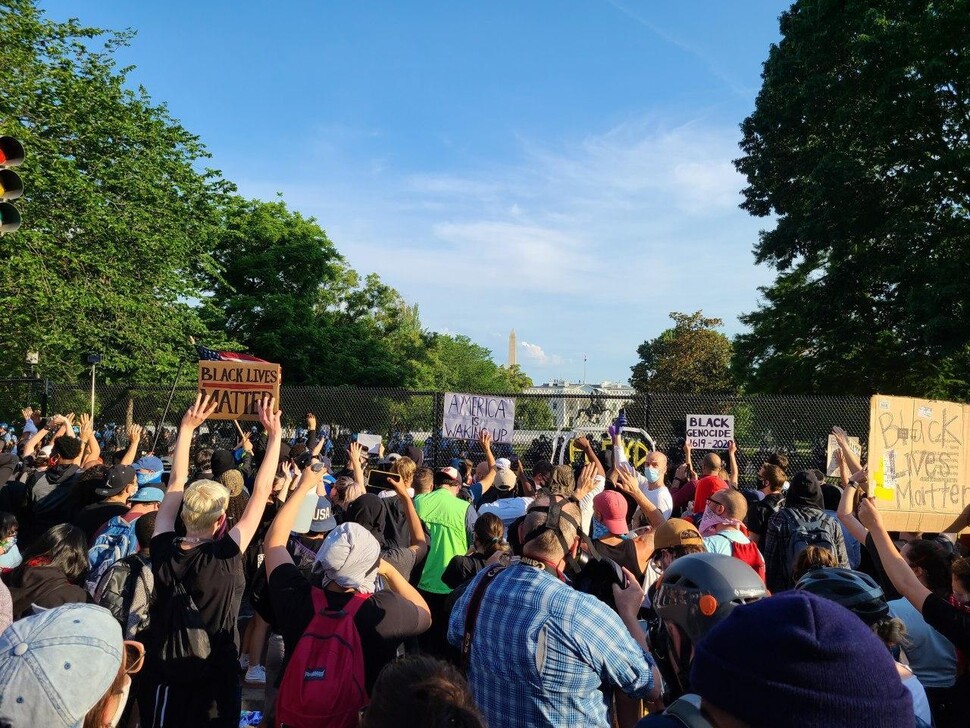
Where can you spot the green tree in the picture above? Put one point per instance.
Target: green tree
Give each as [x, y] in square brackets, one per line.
[859, 147]
[116, 213]
[692, 357]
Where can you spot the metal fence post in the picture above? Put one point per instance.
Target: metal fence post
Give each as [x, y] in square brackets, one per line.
[436, 440]
[43, 397]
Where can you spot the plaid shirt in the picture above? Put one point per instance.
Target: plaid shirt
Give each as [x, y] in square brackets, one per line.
[541, 650]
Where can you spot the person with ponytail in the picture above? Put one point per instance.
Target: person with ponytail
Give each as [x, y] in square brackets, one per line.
[489, 532]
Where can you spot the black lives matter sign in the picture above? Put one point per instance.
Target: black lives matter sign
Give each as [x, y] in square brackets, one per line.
[239, 387]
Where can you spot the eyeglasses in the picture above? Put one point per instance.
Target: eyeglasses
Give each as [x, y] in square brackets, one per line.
[716, 506]
[134, 656]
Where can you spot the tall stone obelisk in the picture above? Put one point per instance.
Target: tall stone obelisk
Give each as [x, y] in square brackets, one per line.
[512, 348]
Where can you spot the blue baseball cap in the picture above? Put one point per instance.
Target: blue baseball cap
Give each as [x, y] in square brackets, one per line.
[148, 494]
[56, 665]
[149, 462]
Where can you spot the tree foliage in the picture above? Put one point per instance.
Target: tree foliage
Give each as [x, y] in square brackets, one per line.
[115, 214]
[692, 357]
[859, 146]
[129, 247]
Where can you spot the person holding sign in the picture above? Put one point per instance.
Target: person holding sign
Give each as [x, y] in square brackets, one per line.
[950, 620]
[201, 572]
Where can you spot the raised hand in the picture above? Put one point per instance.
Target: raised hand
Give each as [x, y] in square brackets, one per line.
[271, 421]
[357, 452]
[135, 432]
[732, 447]
[869, 514]
[199, 411]
[311, 422]
[27, 412]
[485, 438]
[587, 480]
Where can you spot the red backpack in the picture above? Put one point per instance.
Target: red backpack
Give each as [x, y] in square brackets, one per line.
[749, 554]
[323, 685]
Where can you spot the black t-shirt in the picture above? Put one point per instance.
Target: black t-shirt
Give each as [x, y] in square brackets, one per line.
[382, 622]
[462, 568]
[951, 622]
[761, 512]
[401, 558]
[91, 518]
[212, 573]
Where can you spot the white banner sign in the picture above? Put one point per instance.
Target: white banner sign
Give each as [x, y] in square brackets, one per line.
[710, 432]
[832, 464]
[466, 415]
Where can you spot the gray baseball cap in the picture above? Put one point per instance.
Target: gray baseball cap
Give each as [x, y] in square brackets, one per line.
[54, 666]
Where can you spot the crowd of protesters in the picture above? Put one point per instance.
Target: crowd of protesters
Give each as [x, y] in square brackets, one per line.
[385, 593]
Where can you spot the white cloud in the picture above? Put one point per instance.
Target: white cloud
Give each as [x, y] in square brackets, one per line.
[536, 354]
[584, 244]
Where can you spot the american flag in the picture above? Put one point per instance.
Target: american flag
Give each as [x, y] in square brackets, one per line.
[207, 354]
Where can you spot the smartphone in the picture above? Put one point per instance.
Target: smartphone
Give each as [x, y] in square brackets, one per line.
[379, 479]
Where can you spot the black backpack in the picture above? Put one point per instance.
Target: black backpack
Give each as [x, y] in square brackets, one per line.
[804, 532]
[183, 641]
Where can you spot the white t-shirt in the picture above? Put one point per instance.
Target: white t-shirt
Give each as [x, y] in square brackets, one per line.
[586, 504]
[508, 509]
[660, 497]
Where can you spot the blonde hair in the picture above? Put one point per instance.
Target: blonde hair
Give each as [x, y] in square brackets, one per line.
[405, 467]
[345, 491]
[204, 502]
[891, 631]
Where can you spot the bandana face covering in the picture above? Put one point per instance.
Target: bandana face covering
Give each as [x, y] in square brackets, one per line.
[710, 522]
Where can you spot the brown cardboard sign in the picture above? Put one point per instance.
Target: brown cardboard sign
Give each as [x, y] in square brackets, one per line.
[239, 387]
[919, 462]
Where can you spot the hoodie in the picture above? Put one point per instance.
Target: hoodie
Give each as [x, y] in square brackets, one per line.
[45, 586]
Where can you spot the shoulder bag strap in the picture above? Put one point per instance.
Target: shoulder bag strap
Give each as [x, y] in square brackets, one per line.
[471, 615]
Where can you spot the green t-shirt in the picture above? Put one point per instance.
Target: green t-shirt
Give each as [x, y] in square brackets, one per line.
[444, 515]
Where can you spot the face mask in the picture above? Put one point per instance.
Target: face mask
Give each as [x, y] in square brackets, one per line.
[599, 530]
[7, 544]
[153, 477]
[653, 474]
[711, 521]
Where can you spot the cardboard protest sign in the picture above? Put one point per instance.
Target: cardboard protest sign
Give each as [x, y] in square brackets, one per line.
[831, 464]
[238, 387]
[371, 443]
[919, 462]
[710, 432]
[466, 415]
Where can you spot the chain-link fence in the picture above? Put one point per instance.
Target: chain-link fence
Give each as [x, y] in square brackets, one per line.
[545, 424]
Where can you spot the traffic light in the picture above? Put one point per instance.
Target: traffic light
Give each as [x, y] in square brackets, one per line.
[11, 186]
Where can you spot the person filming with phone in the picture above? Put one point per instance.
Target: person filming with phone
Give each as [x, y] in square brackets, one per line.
[533, 646]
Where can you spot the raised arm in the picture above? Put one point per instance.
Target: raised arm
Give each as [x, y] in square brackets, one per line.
[134, 437]
[88, 438]
[893, 563]
[356, 453]
[244, 530]
[38, 436]
[842, 439]
[583, 444]
[844, 512]
[732, 464]
[193, 417]
[628, 483]
[274, 544]
[312, 438]
[419, 542]
[485, 439]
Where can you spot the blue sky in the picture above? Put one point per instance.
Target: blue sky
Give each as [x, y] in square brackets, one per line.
[558, 167]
